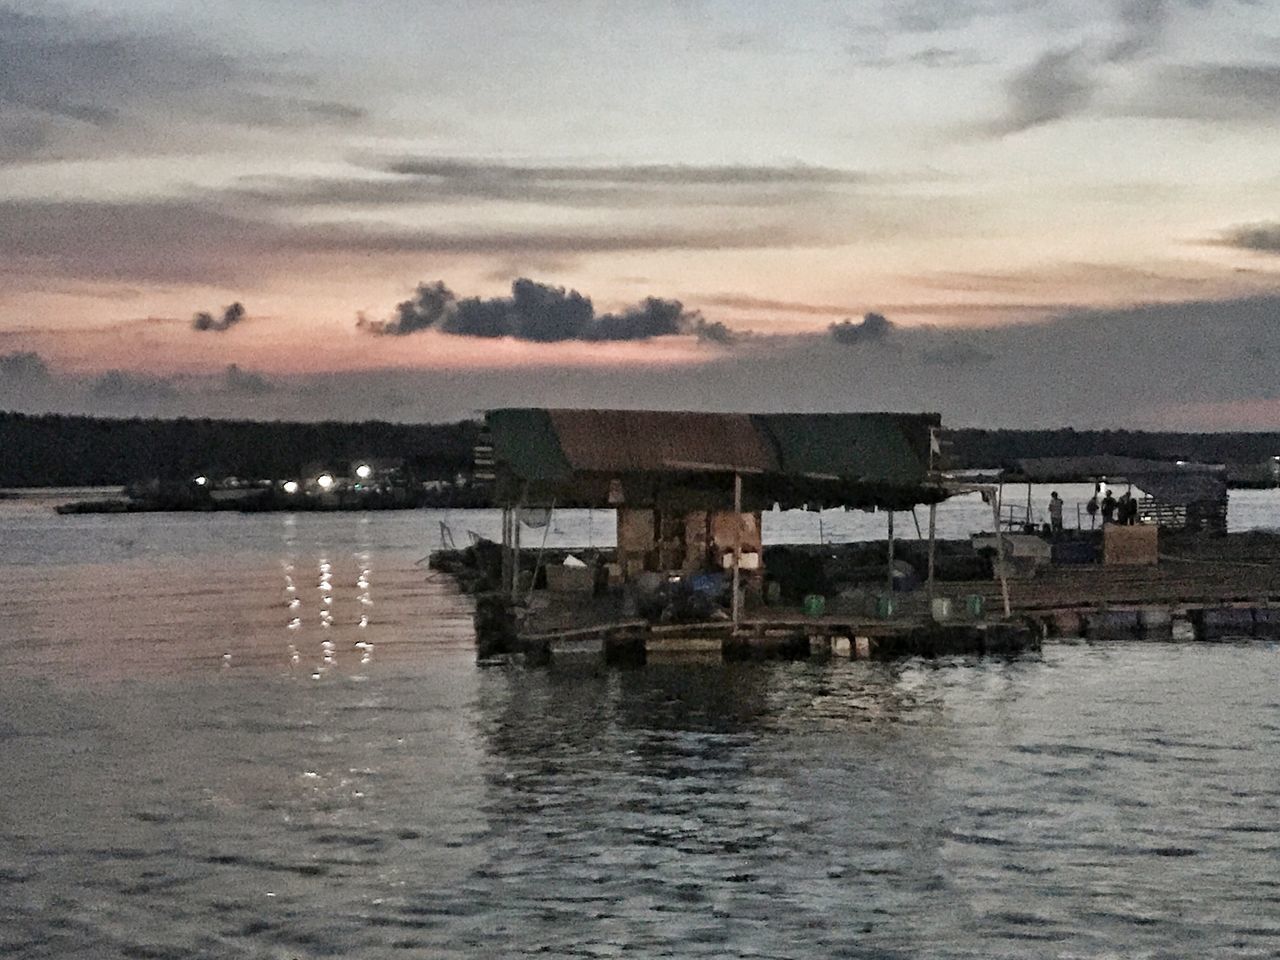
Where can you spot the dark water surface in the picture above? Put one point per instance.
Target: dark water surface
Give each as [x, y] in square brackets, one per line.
[192, 764]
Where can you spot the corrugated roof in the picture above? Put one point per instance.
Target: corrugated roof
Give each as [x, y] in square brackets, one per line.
[878, 448]
[882, 450]
[649, 441]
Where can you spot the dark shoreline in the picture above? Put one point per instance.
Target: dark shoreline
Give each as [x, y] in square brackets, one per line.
[272, 502]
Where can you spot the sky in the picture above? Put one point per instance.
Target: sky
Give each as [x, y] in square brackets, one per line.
[1013, 213]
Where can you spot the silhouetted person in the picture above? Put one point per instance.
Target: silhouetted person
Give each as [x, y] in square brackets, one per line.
[1129, 511]
[1108, 508]
[1091, 508]
[1055, 512]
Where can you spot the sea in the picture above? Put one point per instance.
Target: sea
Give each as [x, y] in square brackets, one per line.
[267, 736]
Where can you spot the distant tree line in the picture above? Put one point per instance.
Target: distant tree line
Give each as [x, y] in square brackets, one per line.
[56, 451]
[999, 448]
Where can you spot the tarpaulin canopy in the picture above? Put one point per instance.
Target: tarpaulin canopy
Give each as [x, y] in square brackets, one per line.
[588, 456]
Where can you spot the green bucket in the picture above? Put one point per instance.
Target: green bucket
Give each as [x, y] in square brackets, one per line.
[815, 605]
[886, 606]
[974, 604]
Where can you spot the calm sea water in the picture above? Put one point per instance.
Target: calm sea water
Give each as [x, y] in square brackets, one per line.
[266, 736]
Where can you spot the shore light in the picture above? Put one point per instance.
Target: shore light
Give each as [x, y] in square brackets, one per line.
[201, 481]
[325, 481]
[291, 486]
[364, 471]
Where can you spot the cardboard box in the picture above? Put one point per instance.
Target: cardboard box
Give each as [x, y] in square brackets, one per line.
[1138, 545]
[562, 579]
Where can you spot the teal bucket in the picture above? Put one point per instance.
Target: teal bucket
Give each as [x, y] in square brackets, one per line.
[886, 606]
[815, 605]
[974, 604]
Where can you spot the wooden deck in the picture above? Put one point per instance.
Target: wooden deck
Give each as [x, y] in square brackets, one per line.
[1204, 589]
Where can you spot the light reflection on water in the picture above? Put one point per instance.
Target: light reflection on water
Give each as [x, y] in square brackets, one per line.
[368, 791]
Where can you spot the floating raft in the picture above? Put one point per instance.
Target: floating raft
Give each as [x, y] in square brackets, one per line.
[637, 641]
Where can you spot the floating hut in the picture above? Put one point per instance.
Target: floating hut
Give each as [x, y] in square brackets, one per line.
[1178, 494]
[688, 490]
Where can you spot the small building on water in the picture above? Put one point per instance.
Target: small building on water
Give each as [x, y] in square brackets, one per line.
[1175, 494]
[689, 488]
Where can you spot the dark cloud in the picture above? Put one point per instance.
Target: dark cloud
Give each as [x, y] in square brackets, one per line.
[713, 331]
[419, 180]
[1059, 84]
[873, 328]
[660, 174]
[1213, 92]
[537, 312]
[651, 318]
[541, 242]
[246, 382]
[1142, 27]
[207, 323]
[946, 57]
[23, 368]
[1063, 83]
[427, 308]
[1260, 237]
[70, 85]
[165, 241]
[200, 241]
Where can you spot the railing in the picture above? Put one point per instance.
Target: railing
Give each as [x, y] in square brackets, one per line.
[1209, 515]
[1014, 516]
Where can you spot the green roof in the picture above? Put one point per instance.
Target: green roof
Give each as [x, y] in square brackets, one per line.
[852, 458]
[873, 448]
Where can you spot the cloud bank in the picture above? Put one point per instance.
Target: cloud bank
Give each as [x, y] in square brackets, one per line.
[540, 313]
[79, 86]
[1188, 365]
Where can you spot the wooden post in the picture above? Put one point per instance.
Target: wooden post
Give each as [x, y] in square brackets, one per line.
[1000, 506]
[515, 554]
[890, 552]
[737, 547]
[1004, 580]
[504, 580]
[933, 522]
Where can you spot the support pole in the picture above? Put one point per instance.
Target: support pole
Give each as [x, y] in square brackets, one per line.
[933, 523]
[890, 572]
[542, 549]
[515, 554]
[737, 548]
[504, 580]
[1004, 580]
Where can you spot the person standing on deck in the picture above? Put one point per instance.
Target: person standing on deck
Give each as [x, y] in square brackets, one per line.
[1055, 512]
[1091, 508]
[1130, 517]
[1108, 508]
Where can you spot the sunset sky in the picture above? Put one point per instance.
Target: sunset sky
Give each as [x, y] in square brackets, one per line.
[1065, 213]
